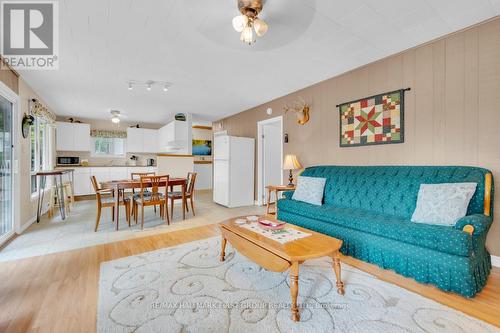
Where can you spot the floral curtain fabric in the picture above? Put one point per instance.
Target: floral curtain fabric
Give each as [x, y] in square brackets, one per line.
[40, 111]
[108, 134]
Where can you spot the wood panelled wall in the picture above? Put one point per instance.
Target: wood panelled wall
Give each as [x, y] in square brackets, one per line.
[452, 113]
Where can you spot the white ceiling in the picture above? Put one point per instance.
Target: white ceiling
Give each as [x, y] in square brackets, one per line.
[191, 43]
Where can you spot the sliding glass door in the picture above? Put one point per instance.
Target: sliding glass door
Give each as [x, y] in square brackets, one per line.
[6, 181]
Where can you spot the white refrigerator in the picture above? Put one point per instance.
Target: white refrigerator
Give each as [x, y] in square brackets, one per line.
[233, 161]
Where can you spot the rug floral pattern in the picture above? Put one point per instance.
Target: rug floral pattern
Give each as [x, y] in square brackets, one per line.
[187, 289]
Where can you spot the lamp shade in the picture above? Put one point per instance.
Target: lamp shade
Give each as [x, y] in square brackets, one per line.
[291, 163]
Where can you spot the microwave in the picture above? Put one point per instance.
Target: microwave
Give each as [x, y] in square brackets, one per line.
[68, 160]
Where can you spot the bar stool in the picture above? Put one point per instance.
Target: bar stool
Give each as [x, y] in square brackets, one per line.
[53, 202]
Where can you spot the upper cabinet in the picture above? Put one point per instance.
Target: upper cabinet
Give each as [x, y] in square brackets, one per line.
[72, 137]
[142, 140]
[150, 137]
[175, 138]
[135, 139]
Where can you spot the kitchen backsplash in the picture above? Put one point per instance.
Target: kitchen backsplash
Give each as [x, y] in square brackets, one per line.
[105, 161]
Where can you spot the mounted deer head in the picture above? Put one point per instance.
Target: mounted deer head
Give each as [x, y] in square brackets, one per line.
[301, 110]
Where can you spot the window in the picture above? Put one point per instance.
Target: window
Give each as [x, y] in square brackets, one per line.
[108, 146]
[39, 151]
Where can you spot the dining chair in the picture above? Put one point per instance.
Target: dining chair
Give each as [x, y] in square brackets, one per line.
[176, 195]
[138, 175]
[108, 201]
[154, 198]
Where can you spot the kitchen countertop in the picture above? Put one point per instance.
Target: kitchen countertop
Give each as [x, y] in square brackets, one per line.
[106, 166]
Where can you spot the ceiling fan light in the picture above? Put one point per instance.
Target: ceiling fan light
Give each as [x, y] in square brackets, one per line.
[130, 86]
[240, 22]
[260, 27]
[247, 36]
[115, 119]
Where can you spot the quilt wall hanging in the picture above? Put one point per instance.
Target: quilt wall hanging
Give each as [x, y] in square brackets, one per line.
[373, 120]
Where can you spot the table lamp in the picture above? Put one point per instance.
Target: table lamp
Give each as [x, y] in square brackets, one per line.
[291, 163]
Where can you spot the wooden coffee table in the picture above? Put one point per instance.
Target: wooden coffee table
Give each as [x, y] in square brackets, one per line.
[278, 257]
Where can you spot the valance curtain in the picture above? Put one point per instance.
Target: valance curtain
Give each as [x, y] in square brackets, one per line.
[108, 134]
[40, 111]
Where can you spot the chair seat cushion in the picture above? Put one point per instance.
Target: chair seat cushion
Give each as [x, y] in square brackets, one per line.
[148, 198]
[175, 194]
[441, 238]
[145, 193]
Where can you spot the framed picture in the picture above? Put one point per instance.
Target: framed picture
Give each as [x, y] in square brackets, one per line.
[373, 120]
[202, 147]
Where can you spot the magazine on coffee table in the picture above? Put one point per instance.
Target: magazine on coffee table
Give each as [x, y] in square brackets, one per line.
[282, 236]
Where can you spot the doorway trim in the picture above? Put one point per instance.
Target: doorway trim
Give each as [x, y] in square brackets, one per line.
[260, 154]
[12, 97]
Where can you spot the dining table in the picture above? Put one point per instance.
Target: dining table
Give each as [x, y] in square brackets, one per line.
[119, 187]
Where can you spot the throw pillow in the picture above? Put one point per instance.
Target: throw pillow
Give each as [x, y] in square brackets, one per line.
[310, 190]
[443, 204]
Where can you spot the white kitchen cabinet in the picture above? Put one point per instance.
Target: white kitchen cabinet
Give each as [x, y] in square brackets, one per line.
[150, 140]
[118, 173]
[142, 140]
[72, 137]
[135, 140]
[203, 176]
[82, 137]
[64, 136]
[175, 137]
[101, 174]
[82, 183]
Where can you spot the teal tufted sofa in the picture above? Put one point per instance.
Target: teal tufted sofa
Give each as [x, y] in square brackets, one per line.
[370, 207]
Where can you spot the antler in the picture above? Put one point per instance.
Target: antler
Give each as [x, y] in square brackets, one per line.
[286, 108]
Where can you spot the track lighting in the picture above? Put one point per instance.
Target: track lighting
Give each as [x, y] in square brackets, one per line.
[149, 84]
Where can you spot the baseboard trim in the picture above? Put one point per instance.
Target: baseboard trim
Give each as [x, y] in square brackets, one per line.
[495, 261]
[32, 220]
[26, 225]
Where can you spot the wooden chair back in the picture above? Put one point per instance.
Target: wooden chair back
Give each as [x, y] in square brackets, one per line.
[153, 182]
[138, 175]
[191, 178]
[95, 185]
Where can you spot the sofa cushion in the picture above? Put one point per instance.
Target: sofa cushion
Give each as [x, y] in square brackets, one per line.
[440, 238]
[443, 204]
[310, 190]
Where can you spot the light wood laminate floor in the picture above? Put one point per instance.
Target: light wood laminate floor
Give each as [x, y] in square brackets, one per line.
[58, 292]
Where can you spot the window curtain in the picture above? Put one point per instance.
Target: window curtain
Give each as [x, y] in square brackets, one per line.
[108, 134]
[41, 112]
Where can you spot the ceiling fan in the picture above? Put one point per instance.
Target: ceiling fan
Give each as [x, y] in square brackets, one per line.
[117, 116]
[248, 21]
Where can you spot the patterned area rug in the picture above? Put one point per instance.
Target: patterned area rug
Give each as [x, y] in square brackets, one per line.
[187, 289]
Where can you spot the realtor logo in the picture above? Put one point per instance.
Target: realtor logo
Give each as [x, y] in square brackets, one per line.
[30, 34]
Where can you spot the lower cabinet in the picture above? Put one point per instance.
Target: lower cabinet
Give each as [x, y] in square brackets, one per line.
[83, 185]
[203, 176]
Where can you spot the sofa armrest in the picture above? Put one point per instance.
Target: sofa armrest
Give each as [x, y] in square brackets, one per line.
[480, 223]
[288, 194]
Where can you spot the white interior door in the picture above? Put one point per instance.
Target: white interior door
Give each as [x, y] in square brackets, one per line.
[271, 156]
[6, 176]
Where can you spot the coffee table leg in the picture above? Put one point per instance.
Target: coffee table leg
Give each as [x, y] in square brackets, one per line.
[336, 268]
[223, 249]
[294, 290]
